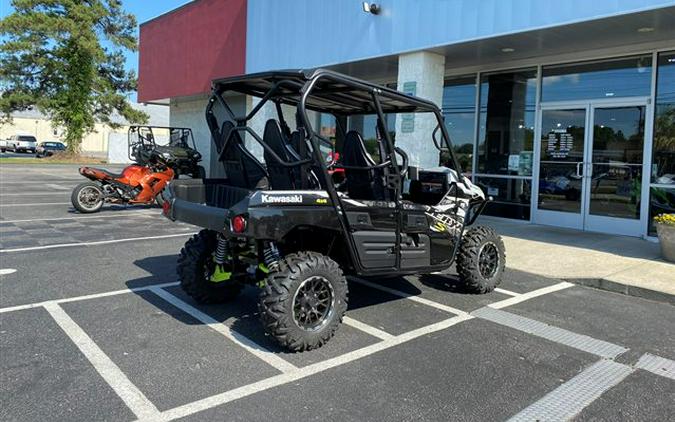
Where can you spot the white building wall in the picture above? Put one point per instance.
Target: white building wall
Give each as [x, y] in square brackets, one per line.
[191, 113]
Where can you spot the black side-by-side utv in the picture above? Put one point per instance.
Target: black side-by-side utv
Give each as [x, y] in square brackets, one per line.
[299, 220]
[179, 145]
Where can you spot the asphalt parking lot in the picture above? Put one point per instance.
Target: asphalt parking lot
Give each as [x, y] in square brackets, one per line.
[93, 327]
[10, 154]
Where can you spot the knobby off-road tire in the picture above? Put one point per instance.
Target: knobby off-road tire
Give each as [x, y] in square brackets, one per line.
[481, 259]
[194, 267]
[87, 197]
[289, 290]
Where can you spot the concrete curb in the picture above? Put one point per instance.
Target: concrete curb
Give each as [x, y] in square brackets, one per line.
[626, 289]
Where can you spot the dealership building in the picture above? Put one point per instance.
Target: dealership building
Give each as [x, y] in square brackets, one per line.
[563, 111]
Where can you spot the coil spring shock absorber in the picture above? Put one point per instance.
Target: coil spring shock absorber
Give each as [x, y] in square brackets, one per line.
[221, 250]
[271, 256]
[220, 273]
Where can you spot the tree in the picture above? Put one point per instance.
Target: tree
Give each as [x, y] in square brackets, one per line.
[66, 57]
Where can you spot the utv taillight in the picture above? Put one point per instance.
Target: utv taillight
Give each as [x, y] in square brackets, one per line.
[238, 224]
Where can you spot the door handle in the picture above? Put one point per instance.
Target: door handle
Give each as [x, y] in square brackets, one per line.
[579, 169]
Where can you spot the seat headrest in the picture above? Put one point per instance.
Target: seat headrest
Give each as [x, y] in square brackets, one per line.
[354, 151]
[274, 139]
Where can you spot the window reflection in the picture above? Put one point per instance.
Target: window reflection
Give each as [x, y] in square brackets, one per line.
[506, 131]
[511, 197]
[616, 178]
[663, 158]
[624, 77]
[459, 111]
[662, 201]
[562, 151]
[366, 126]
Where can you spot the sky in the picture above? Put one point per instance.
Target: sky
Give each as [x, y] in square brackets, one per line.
[143, 10]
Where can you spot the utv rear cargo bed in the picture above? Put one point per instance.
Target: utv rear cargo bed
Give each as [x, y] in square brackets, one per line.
[203, 202]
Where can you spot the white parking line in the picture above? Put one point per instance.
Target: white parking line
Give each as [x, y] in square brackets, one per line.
[5, 271]
[572, 397]
[57, 187]
[657, 365]
[37, 182]
[35, 204]
[529, 295]
[98, 242]
[109, 371]
[368, 329]
[33, 193]
[417, 299]
[239, 339]
[275, 381]
[85, 297]
[507, 292]
[127, 213]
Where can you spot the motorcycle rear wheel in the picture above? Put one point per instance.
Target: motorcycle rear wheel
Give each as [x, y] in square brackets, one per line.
[87, 197]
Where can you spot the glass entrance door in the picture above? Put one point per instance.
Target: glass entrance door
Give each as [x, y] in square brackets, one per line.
[562, 144]
[614, 171]
[590, 166]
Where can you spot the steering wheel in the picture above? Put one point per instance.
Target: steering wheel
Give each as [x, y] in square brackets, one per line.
[404, 165]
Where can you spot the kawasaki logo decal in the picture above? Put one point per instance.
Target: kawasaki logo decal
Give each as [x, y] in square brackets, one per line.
[281, 199]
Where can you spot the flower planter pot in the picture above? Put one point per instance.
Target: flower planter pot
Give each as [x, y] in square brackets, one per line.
[666, 233]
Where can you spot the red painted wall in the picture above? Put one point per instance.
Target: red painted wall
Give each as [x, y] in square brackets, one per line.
[182, 51]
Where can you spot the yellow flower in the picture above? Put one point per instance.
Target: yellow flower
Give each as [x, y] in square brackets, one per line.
[667, 219]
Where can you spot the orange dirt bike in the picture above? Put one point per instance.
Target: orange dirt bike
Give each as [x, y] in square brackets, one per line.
[136, 184]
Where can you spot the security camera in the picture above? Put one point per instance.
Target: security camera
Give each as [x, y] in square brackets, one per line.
[371, 8]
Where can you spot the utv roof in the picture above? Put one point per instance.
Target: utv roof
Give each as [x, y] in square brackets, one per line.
[331, 92]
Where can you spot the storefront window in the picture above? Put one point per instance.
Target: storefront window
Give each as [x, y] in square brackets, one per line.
[366, 126]
[459, 111]
[327, 126]
[662, 201]
[510, 197]
[662, 196]
[506, 126]
[624, 77]
[663, 157]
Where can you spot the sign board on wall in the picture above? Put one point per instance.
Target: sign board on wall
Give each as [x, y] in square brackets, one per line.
[408, 119]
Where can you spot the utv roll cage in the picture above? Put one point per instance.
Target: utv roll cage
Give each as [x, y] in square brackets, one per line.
[143, 138]
[322, 91]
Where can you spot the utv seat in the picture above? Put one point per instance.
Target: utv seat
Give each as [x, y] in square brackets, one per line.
[280, 177]
[241, 168]
[361, 183]
[306, 172]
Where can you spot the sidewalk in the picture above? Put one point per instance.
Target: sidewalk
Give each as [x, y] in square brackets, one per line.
[618, 263]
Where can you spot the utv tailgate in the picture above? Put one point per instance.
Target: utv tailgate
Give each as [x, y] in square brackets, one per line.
[204, 203]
